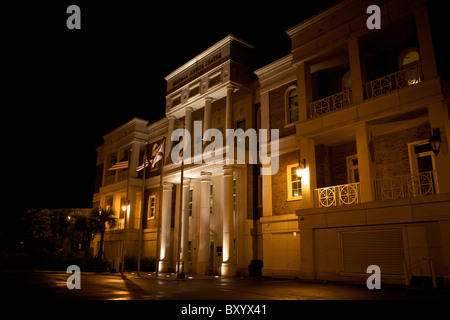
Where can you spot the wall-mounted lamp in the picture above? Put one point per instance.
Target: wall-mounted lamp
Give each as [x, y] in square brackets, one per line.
[300, 168]
[435, 140]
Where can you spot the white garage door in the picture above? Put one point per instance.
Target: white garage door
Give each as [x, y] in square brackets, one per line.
[383, 248]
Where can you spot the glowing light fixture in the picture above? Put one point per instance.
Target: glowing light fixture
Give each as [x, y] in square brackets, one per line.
[300, 168]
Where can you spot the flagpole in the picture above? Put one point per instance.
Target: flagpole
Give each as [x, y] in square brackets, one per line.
[158, 239]
[141, 224]
[126, 216]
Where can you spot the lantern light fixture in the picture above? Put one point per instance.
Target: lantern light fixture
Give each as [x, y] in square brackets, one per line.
[300, 168]
[435, 140]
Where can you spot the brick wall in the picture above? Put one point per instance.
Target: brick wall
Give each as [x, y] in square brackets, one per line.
[331, 164]
[277, 110]
[280, 205]
[391, 150]
[152, 223]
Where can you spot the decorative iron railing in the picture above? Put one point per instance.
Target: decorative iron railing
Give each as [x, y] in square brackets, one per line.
[406, 77]
[406, 186]
[338, 195]
[335, 102]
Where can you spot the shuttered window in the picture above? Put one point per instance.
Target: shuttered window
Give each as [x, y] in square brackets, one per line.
[383, 248]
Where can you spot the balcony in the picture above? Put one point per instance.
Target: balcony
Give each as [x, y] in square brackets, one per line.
[395, 81]
[406, 186]
[335, 102]
[338, 195]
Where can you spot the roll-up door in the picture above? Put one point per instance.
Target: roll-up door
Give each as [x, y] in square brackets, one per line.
[383, 248]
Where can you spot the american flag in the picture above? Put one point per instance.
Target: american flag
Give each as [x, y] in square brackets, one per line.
[122, 164]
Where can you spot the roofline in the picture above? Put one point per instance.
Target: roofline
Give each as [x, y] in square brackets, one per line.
[126, 124]
[317, 17]
[205, 53]
[286, 60]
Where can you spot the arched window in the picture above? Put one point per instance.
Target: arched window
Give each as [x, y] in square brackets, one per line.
[291, 105]
[346, 81]
[408, 58]
[409, 63]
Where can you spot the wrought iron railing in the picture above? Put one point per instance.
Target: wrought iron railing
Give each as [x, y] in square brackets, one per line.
[335, 102]
[338, 195]
[406, 186]
[406, 77]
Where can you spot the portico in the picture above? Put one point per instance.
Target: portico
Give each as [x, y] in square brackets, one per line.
[213, 88]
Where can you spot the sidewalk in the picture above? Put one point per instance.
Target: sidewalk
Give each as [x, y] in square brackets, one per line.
[165, 276]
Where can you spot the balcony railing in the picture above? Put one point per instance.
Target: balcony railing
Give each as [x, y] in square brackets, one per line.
[338, 195]
[335, 102]
[406, 77]
[406, 186]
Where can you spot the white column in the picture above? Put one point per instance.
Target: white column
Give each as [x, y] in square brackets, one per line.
[304, 90]
[170, 129]
[134, 161]
[427, 56]
[355, 71]
[203, 245]
[229, 123]
[365, 162]
[229, 112]
[207, 115]
[165, 227]
[185, 226]
[309, 183]
[228, 262]
[188, 127]
[266, 179]
[439, 118]
[188, 119]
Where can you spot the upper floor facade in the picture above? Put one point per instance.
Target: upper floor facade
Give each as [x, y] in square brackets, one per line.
[343, 93]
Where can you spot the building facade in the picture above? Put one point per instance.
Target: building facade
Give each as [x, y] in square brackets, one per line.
[357, 182]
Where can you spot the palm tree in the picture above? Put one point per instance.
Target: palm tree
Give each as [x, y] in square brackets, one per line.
[99, 218]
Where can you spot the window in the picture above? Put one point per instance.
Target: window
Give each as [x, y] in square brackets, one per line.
[352, 169]
[123, 205]
[408, 58]
[421, 157]
[346, 81]
[211, 200]
[241, 124]
[151, 207]
[291, 105]
[422, 162]
[260, 184]
[294, 183]
[409, 62]
[191, 191]
[215, 79]
[194, 90]
[234, 195]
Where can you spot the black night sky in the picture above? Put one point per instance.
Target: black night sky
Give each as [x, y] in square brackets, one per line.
[67, 88]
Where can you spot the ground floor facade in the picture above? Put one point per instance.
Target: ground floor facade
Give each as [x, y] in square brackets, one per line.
[406, 238]
[218, 233]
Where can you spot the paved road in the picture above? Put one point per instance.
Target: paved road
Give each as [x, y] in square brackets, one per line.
[38, 291]
[44, 285]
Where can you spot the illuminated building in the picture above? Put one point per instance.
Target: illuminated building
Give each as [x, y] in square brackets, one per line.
[359, 106]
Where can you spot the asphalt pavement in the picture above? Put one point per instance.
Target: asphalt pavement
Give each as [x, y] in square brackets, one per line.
[195, 293]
